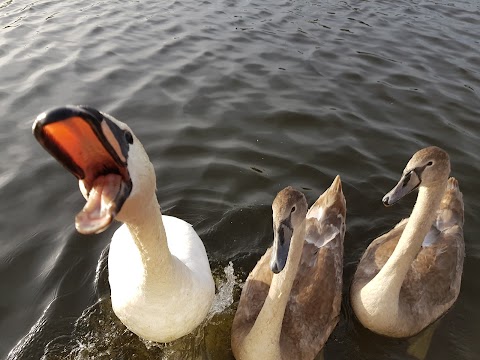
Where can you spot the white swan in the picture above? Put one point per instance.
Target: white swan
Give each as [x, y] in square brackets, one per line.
[408, 277]
[290, 314]
[160, 278]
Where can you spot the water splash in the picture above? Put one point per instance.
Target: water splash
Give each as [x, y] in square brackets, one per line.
[224, 297]
[193, 345]
[99, 335]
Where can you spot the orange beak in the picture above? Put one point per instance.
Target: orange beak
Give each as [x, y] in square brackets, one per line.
[93, 148]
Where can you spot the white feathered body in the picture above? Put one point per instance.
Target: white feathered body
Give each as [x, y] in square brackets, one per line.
[161, 307]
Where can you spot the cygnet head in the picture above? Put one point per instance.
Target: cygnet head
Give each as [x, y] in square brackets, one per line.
[289, 211]
[428, 167]
[114, 172]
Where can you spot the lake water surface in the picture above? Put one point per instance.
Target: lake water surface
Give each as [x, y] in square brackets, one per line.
[233, 100]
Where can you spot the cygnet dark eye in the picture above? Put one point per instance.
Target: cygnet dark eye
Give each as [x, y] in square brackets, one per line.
[129, 137]
[293, 209]
[430, 163]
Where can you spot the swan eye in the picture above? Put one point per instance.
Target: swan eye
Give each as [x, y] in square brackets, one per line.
[293, 209]
[430, 163]
[129, 137]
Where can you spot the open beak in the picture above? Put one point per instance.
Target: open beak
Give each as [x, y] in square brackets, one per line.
[94, 149]
[408, 182]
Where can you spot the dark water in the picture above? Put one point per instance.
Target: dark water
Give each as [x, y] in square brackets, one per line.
[233, 100]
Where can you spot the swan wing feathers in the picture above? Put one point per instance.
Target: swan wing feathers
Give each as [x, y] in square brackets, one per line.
[451, 212]
[326, 217]
[314, 306]
[450, 216]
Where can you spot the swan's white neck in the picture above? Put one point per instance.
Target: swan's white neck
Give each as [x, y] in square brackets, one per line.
[148, 233]
[263, 340]
[161, 288]
[380, 297]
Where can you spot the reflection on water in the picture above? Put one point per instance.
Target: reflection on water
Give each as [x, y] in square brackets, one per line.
[233, 100]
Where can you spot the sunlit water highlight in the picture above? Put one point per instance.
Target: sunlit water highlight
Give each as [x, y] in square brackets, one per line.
[233, 100]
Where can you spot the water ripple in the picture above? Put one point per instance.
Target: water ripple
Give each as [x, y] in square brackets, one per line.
[233, 101]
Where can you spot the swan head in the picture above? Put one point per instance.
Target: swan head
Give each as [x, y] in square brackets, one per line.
[114, 173]
[428, 167]
[289, 211]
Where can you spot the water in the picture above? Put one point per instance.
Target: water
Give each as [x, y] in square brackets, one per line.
[233, 100]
